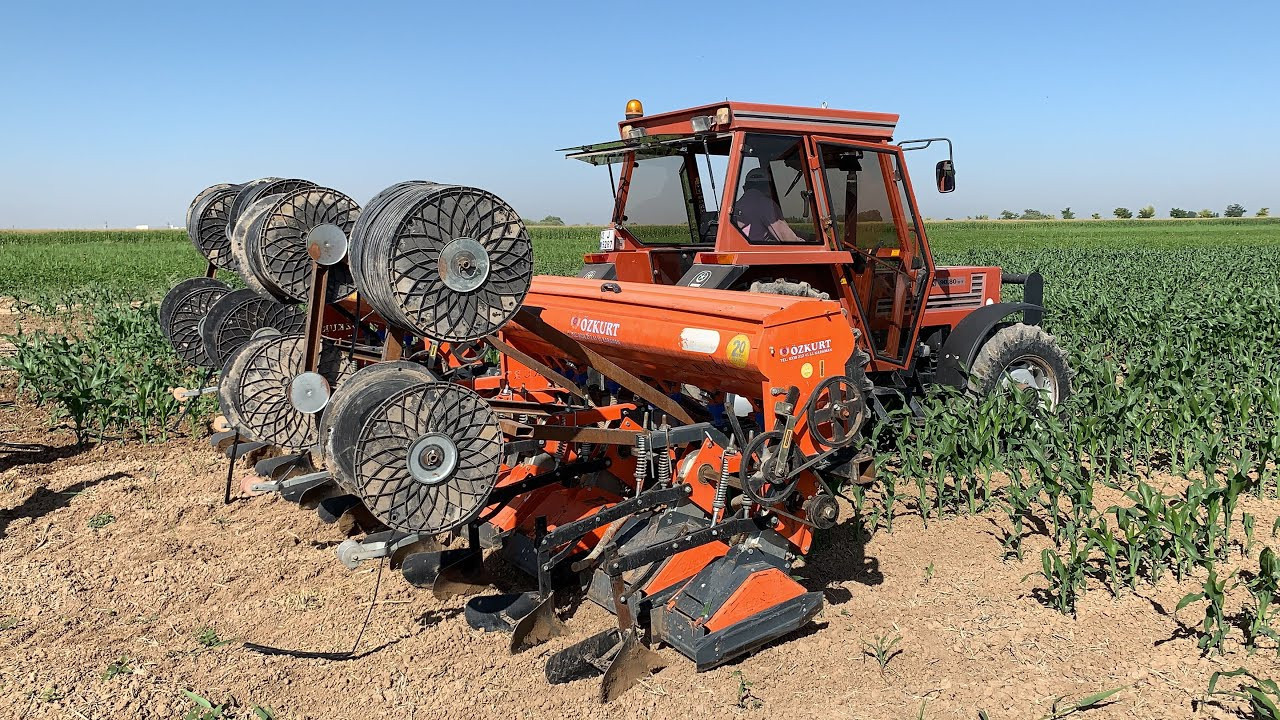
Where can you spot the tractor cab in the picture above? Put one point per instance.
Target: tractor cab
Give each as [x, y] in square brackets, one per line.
[770, 198]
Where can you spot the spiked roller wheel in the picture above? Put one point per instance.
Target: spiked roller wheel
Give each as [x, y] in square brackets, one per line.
[274, 234]
[183, 310]
[265, 394]
[239, 315]
[351, 406]
[451, 263]
[428, 457]
[207, 219]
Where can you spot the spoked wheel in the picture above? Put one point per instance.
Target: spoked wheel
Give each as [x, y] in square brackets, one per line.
[235, 318]
[351, 406]
[763, 475]
[277, 235]
[268, 397]
[207, 219]
[1023, 357]
[182, 312]
[428, 457]
[254, 189]
[836, 412]
[452, 263]
[229, 382]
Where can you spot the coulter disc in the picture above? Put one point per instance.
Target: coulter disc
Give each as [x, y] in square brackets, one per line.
[352, 404]
[234, 319]
[207, 219]
[182, 312]
[262, 393]
[427, 458]
[449, 262]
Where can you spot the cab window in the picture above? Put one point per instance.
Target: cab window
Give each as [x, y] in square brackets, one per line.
[773, 203]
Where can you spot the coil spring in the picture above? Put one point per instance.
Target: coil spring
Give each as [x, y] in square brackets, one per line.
[664, 467]
[562, 451]
[722, 488]
[642, 460]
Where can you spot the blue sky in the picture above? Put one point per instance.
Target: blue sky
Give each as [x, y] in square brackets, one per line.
[120, 113]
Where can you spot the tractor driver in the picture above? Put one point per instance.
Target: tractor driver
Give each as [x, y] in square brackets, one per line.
[758, 216]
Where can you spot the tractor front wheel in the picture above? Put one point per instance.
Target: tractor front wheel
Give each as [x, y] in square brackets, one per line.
[1026, 357]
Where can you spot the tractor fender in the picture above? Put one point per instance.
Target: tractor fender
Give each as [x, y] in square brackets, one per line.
[961, 346]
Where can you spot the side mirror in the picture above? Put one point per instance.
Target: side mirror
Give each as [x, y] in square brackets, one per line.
[946, 176]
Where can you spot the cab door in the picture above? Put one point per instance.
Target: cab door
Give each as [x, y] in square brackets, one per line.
[868, 213]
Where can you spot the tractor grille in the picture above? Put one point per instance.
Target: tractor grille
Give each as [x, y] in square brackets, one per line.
[972, 299]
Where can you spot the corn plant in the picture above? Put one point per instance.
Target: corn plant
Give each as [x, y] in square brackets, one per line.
[1263, 695]
[1214, 627]
[1264, 588]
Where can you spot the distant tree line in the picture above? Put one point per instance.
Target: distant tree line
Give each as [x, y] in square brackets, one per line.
[1234, 210]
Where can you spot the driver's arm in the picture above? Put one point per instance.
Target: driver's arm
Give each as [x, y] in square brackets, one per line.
[783, 232]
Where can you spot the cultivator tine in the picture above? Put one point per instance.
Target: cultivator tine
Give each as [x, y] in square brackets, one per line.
[284, 466]
[348, 514]
[464, 576]
[222, 439]
[617, 653]
[537, 627]
[632, 662]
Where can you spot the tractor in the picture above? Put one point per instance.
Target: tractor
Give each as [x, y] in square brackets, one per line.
[839, 221]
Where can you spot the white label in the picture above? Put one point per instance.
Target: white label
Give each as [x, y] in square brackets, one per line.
[699, 340]
[606, 240]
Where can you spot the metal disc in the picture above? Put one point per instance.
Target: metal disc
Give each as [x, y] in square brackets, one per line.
[449, 262]
[309, 393]
[351, 406]
[433, 458]
[327, 243]
[239, 314]
[384, 475]
[186, 312]
[207, 219]
[464, 265]
[263, 397]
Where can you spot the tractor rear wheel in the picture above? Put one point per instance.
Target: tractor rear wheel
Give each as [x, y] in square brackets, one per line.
[1026, 357]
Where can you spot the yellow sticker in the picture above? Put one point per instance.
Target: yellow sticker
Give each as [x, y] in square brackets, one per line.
[737, 350]
[806, 370]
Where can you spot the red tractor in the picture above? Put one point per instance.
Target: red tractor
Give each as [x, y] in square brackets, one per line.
[817, 202]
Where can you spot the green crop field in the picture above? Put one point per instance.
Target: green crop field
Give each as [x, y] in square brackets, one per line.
[148, 261]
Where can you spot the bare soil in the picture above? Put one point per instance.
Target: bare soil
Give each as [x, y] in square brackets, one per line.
[169, 564]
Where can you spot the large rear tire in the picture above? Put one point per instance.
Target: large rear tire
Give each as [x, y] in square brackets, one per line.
[1024, 356]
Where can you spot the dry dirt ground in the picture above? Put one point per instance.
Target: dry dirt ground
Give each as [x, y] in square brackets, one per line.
[169, 563]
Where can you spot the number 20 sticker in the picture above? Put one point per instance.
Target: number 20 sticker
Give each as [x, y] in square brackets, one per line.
[737, 350]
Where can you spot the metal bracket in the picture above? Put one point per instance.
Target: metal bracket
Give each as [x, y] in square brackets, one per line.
[383, 544]
[297, 483]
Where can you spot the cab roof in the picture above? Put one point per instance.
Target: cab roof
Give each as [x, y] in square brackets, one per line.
[669, 128]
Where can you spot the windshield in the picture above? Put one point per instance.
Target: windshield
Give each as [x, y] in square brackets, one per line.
[672, 197]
